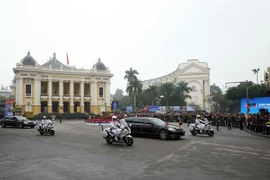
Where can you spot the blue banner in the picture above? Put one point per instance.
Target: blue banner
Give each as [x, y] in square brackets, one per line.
[176, 108]
[153, 108]
[255, 104]
[115, 104]
[129, 109]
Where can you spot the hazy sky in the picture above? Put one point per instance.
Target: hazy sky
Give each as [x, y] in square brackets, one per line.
[151, 36]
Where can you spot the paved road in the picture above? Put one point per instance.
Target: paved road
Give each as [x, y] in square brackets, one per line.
[77, 151]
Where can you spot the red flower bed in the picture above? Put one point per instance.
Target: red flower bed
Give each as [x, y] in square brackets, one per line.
[101, 119]
[98, 120]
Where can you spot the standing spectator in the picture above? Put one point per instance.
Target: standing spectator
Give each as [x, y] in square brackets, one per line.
[229, 122]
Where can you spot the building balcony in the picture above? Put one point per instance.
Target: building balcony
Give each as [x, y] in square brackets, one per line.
[44, 96]
[87, 98]
[66, 97]
[55, 96]
[77, 97]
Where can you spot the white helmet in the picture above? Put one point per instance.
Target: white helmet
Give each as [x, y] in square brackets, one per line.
[198, 116]
[114, 117]
[44, 117]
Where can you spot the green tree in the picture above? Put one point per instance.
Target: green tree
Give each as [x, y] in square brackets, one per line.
[235, 94]
[181, 92]
[133, 89]
[167, 90]
[119, 94]
[215, 97]
[134, 85]
[152, 92]
[131, 75]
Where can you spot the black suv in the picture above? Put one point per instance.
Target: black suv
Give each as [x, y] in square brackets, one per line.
[154, 127]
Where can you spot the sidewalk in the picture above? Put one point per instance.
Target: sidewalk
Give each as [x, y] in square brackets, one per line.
[256, 134]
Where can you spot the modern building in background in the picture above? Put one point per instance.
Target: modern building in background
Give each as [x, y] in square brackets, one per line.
[196, 74]
[57, 88]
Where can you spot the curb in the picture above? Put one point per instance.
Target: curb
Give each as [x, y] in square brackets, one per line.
[255, 134]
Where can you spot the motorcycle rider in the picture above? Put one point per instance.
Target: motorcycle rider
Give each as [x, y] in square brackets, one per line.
[115, 127]
[199, 123]
[43, 122]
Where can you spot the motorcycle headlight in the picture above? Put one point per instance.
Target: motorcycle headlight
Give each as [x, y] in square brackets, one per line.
[172, 129]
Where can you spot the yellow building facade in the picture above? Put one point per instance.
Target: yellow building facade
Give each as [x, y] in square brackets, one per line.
[56, 88]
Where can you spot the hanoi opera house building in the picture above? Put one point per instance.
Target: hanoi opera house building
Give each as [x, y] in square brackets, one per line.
[56, 88]
[196, 74]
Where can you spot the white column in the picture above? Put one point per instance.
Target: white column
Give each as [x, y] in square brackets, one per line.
[21, 95]
[94, 93]
[18, 91]
[107, 95]
[50, 92]
[39, 91]
[82, 93]
[36, 97]
[61, 92]
[71, 88]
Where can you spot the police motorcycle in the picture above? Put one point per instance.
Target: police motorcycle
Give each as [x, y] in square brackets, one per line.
[46, 127]
[207, 129]
[123, 134]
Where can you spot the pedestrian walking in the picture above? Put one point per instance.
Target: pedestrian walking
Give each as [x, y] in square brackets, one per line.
[218, 123]
[229, 122]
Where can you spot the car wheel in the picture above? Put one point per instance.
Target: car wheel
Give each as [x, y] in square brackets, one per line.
[3, 125]
[20, 125]
[163, 134]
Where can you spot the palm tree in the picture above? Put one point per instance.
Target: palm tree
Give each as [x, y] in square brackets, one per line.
[133, 88]
[131, 75]
[182, 91]
[167, 90]
[134, 85]
[152, 91]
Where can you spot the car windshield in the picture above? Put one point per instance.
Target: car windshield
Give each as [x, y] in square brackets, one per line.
[21, 118]
[157, 121]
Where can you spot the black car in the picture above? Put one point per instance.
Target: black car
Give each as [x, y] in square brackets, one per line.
[154, 127]
[17, 121]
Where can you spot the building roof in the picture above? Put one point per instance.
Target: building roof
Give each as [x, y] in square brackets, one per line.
[54, 63]
[29, 60]
[99, 65]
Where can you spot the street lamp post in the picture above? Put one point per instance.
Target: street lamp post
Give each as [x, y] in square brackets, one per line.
[161, 96]
[246, 92]
[256, 71]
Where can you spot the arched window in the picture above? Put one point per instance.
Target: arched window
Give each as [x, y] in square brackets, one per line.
[194, 89]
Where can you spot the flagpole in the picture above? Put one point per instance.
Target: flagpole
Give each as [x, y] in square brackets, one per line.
[67, 58]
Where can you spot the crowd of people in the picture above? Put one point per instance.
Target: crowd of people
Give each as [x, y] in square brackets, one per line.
[259, 123]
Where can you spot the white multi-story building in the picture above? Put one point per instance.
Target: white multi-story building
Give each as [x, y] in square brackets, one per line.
[56, 88]
[196, 74]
